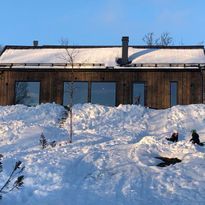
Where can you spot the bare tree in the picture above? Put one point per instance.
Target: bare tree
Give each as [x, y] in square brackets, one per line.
[149, 39]
[64, 41]
[70, 57]
[164, 40]
[201, 43]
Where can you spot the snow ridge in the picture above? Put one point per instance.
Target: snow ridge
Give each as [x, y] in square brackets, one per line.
[112, 158]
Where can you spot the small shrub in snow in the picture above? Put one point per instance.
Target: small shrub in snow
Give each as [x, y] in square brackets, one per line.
[53, 143]
[15, 180]
[43, 141]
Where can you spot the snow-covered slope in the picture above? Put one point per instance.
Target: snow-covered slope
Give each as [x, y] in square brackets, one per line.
[112, 158]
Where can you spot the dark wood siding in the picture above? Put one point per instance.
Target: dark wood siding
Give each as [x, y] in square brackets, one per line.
[157, 84]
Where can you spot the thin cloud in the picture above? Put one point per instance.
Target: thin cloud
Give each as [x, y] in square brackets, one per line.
[112, 12]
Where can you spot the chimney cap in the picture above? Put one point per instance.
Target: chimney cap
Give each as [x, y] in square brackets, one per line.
[35, 43]
[125, 38]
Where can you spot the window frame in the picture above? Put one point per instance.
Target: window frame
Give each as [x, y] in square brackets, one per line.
[84, 81]
[145, 92]
[170, 87]
[91, 82]
[28, 81]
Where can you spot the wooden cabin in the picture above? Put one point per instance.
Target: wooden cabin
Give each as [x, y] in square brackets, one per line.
[156, 77]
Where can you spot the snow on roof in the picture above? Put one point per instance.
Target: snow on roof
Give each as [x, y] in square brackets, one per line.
[176, 55]
[103, 55]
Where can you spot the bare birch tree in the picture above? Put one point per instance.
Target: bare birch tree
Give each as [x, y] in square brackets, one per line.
[69, 57]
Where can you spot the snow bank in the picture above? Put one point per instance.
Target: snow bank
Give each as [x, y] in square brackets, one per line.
[112, 157]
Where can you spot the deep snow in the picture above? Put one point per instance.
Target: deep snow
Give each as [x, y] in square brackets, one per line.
[105, 56]
[112, 158]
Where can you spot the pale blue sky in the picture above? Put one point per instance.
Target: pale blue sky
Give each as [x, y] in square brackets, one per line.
[100, 22]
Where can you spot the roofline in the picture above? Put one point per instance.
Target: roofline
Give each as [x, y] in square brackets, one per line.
[102, 46]
[102, 66]
[2, 50]
[102, 70]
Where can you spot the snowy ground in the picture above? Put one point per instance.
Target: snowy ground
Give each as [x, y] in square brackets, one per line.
[112, 158]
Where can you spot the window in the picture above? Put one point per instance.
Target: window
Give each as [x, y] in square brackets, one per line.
[27, 93]
[173, 93]
[192, 90]
[103, 93]
[138, 94]
[80, 92]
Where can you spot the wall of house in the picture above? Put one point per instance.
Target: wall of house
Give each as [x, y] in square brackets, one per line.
[157, 90]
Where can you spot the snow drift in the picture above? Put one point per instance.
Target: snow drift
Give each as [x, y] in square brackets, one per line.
[112, 158]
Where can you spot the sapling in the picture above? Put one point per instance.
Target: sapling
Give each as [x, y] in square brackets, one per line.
[43, 141]
[1, 165]
[70, 58]
[15, 179]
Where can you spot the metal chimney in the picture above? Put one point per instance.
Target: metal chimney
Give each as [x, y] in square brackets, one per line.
[35, 43]
[125, 42]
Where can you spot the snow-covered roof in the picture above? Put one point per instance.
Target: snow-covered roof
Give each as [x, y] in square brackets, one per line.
[104, 55]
